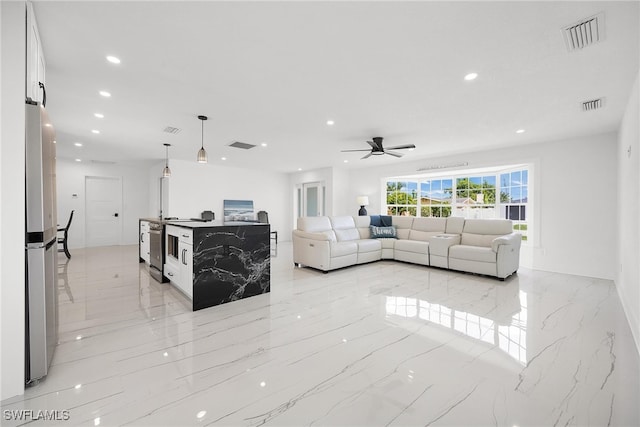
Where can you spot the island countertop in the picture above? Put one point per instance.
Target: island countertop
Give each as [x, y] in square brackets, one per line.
[213, 223]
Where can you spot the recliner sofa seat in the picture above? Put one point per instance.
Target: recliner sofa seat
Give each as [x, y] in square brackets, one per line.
[482, 246]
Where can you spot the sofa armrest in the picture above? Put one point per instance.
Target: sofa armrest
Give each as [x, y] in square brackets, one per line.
[514, 239]
[312, 236]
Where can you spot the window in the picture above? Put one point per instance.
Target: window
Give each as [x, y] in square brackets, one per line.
[501, 193]
[402, 198]
[435, 197]
[514, 194]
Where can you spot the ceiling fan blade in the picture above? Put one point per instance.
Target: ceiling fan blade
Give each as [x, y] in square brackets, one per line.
[346, 151]
[393, 154]
[373, 145]
[401, 147]
[368, 155]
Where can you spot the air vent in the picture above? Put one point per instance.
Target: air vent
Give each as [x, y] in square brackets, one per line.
[594, 104]
[584, 33]
[243, 145]
[171, 130]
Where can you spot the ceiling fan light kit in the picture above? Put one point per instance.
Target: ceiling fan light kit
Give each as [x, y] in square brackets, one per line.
[202, 153]
[377, 149]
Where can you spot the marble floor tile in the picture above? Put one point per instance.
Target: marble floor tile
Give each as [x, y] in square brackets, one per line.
[382, 344]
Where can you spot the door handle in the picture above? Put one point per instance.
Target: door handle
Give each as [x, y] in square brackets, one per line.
[184, 261]
[115, 214]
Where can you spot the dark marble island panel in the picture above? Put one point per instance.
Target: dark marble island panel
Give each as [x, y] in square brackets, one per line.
[230, 263]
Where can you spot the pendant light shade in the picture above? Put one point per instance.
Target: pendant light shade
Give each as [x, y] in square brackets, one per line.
[202, 153]
[166, 172]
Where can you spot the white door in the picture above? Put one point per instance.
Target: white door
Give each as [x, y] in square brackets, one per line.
[313, 199]
[103, 197]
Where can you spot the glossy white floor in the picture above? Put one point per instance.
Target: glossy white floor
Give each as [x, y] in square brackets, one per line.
[381, 344]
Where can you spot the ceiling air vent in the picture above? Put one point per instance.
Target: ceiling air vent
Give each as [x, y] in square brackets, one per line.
[593, 104]
[243, 145]
[584, 33]
[171, 130]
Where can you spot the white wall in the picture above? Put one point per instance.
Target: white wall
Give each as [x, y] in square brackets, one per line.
[195, 187]
[628, 209]
[573, 196]
[12, 146]
[71, 196]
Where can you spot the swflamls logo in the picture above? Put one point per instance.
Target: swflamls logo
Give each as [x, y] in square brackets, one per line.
[36, 414]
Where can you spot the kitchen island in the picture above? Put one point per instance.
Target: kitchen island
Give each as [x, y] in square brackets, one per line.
[216, 262]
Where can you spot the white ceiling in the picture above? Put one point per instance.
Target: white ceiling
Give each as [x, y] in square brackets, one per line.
[275, 72]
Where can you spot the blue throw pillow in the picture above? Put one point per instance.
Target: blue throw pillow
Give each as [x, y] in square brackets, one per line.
[383, 232]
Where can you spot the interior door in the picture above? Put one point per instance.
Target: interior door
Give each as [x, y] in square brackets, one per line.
[103, 197]
[313, 199]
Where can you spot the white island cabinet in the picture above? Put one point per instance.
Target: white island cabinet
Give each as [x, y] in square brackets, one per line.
[145, 247]
[179, 258]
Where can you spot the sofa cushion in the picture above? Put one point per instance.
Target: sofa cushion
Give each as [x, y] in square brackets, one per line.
[345, 228]
[343, 248]
[403, 225]
[472, 253]
[454, 225]
[387, 243]
[314, 224]
[481, 232]
[383, 232]
[488, 226]
[331, 235]
[483, 240]
[342, 222]
[362, 224]
[369, 245]
[429, 224]
[412, 246]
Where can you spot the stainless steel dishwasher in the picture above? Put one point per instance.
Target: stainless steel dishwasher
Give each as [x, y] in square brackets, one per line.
[156, 251]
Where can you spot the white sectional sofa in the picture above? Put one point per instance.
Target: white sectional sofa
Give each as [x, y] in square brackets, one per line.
[482, 246]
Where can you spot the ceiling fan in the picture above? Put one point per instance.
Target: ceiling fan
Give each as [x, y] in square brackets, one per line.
[377, 149]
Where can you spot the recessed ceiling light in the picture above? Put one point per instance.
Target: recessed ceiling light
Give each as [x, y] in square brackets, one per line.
[78, 144]
[105, 93]
[113, 59]
[98, 115]
[95, 131]
[78, 386]
[346, 161]
[520, 131]
[78, 160]
[264, 144]
[299, 169]
[262, 384]
[48, 125]
[201, 414]
[330, 122]
[55, 142]
[471, 76]
[223, 158]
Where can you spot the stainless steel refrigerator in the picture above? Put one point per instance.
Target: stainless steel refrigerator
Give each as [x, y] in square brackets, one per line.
[41, 249]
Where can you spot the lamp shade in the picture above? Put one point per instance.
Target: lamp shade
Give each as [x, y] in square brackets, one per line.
[202, 156]
[362, 200]
[202, 153]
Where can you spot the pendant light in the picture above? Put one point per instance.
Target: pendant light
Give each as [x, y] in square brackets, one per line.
[166, 172]
[202, 153]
